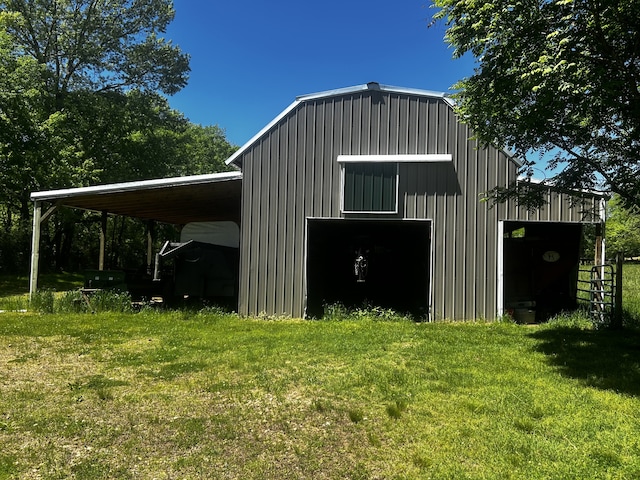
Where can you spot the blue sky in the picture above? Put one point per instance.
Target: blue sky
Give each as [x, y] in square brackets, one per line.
[250, 59]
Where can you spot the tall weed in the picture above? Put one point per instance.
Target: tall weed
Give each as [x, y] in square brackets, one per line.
[42, 301]
[109, 301]
[73, 301]
[337, 311]
[14, 303]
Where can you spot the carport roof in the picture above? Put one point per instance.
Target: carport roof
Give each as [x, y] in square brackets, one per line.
[178, 200]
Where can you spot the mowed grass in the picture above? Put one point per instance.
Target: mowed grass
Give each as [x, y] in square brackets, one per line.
[179, 395]
[204, 395]
[631, 293]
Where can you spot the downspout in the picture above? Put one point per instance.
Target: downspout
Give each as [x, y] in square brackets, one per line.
[500, 268]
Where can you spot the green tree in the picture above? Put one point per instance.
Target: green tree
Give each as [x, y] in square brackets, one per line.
[22, 106]
[103, 66]
[100, 45]
[204, 150]
[82, 101]
[556, 77]
[622, 230]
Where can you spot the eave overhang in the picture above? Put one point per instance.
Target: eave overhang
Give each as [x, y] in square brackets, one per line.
[177, 200]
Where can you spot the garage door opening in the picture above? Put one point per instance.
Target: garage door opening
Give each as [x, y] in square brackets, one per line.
[384, 263]
[541, 262]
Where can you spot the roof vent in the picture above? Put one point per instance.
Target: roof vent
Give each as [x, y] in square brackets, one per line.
[373, 86]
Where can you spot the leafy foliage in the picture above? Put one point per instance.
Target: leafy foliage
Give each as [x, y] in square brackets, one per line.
[82, 85]
[97, 45]
[623, 230]
[23, 101]
[556, 77]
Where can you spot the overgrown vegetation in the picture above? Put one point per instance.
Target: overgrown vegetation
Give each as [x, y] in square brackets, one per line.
[337, 311]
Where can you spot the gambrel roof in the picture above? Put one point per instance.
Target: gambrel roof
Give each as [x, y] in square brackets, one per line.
[371, 86]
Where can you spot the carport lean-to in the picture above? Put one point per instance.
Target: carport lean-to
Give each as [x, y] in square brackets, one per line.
[178, 201]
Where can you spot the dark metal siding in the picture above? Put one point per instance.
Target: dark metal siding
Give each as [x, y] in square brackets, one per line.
[291, 173]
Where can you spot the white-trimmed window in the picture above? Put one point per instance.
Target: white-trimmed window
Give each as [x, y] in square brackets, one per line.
[370, 187]
[370, 182]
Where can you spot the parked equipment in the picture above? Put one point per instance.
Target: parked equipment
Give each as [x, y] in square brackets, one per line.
[203, 265]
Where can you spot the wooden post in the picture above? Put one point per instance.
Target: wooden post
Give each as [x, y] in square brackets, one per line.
[616, 321]
[38, 219]
[35, 249]
[150, 239]
[599, 250]
[103, 240]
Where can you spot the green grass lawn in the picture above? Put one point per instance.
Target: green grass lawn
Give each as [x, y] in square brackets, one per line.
[631, 292]
[204, 395]
[178, 395]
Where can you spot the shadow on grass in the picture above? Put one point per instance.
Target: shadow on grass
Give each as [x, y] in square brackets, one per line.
[604, 359]
[19, 284]
[61, 282]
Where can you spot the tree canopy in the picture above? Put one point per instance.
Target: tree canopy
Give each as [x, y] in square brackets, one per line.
[623, 229]
[554, 78]
[100, 45]
[83, 86]
[22, 111]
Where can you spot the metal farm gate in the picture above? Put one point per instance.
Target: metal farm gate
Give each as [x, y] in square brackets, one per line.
[597, 287]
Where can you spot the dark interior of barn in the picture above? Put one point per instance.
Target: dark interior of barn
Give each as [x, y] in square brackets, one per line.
[376, 263]
[541, 262]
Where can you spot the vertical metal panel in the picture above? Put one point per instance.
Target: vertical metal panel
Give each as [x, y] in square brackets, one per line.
[559, 207]
[282, 193]
[291, 174]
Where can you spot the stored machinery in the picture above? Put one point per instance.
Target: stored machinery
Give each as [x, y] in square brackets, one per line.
[203, 265]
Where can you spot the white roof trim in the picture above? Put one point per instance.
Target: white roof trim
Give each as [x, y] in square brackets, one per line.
[268, 127]
[373, 86]
[550, 185]
[399, 158]
[140, 185]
